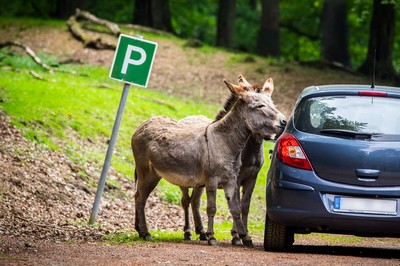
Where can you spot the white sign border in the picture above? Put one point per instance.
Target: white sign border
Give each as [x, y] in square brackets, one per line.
[115, 56]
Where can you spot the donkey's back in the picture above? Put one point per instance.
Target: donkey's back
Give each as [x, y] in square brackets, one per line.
[171, 149]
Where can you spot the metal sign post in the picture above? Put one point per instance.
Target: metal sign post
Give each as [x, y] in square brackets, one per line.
[132, 64]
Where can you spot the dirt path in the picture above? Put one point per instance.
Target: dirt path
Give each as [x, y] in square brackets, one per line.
[196, 253]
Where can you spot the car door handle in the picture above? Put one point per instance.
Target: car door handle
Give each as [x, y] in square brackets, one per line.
[368, 173]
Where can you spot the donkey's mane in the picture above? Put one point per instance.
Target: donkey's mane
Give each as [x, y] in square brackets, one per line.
[231, 100]
[227, 106]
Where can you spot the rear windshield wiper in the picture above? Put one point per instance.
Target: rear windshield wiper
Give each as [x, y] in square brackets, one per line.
[348, 133]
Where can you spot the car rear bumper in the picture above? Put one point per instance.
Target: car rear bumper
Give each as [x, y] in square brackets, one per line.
[300, 199]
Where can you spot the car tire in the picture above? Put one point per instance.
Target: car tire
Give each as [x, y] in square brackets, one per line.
[277, 237]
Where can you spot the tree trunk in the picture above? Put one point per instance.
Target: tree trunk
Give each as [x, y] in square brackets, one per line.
[226, 23]
[335, 43]
[153, 13]
[268, 38]
[381, 39]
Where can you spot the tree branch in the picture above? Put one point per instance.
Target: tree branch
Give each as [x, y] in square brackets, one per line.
[33, 55]
[87, 39]
[114, 28]
[28, 50]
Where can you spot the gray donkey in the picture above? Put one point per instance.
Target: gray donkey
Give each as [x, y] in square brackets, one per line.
[252, 160]
[193, 155]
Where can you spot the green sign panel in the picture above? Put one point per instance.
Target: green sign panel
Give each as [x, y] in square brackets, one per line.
[133, 60]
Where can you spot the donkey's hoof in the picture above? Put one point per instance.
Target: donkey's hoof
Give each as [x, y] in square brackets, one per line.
[248, 243]
[146, 237]
[212, 241]
[236, 241]
[203, 237]
[187, 236]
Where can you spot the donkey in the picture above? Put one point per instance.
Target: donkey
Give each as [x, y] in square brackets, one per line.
[193, 155]
[252, 160]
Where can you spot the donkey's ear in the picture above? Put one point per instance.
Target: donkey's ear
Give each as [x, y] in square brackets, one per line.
[243, 82]
[268, 86]
[236, 90]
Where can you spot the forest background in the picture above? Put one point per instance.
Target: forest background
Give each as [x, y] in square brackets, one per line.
[347, 33]
[51, 155]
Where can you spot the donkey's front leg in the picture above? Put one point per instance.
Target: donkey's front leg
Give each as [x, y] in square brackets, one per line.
[232, 197]
[211, 210]
[236, 241]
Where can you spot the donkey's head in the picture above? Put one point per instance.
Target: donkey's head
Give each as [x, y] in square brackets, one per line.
[257, 108]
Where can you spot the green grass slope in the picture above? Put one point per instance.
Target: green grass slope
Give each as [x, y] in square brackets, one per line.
[75, 114]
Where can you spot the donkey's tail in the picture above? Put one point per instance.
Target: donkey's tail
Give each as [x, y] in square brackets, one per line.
[135, 176]
[135, 179]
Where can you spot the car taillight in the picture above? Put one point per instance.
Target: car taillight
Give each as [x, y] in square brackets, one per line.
[373, 93]
[291, 153]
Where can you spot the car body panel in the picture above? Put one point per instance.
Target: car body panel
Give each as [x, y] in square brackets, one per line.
[348, 161]
[363, 173]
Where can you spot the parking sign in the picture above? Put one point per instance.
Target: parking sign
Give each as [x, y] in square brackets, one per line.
[133, 60]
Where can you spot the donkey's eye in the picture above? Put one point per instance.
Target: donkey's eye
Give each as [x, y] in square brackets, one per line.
[261, 106]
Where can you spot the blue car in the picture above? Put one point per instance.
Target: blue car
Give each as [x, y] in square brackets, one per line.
[336, 167]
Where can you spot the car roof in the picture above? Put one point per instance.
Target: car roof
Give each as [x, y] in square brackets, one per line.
[344, 89]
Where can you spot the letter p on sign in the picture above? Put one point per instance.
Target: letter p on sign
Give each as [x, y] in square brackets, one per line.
[133, 60]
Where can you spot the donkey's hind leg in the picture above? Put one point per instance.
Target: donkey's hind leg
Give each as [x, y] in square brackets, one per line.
[248, 188]
[185, 202]
[146, 181]
[196, 198]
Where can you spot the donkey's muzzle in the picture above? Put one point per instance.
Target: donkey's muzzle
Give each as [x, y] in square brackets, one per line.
[280, 128]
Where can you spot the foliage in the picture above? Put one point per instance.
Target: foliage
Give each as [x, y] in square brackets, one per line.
[247, 25]
[359, 16]
[300, 23]
[38, 8]
[200, 23]
[122, 10]
[300, 34]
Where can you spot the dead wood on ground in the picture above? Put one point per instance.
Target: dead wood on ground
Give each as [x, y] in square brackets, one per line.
[114, 28]
[89, 39]
[35, 58]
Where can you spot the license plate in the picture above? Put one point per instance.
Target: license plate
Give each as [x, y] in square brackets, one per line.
[365, 206]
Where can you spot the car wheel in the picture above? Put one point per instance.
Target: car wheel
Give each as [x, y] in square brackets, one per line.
[277, 237]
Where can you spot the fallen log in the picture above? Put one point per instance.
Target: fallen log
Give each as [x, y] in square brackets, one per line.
[114, 28]
[88, 40]
[35, 58]
[28, 50]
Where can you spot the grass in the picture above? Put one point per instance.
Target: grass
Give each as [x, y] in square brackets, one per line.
[222, 233]
[132, 237]
[49, 113]
[67, 112]
[7, 257]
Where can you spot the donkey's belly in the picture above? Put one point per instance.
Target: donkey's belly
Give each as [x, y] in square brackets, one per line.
[180, 179]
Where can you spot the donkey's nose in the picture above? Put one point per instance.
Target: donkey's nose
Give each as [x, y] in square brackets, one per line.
[280, 128]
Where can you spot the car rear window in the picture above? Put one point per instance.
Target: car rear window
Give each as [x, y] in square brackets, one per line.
[371, 115]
